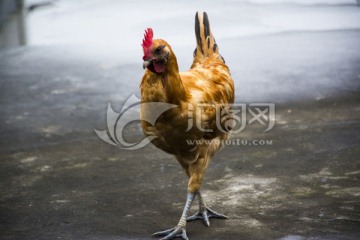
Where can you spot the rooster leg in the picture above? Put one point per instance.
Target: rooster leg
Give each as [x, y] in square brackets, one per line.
[205, 212]
[180, 230]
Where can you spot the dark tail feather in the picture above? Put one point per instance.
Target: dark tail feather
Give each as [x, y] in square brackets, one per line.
[206, 44]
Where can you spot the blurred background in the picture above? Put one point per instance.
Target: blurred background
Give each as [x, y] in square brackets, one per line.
[262, 40]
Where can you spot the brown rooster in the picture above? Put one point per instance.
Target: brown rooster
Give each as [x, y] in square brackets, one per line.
[194, 130]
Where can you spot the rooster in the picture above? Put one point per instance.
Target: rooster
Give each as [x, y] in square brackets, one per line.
[194, 130]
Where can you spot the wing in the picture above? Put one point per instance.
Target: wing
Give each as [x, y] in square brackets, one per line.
[212, 94]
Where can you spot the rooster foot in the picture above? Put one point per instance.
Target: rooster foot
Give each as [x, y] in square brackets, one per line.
[205, 215]
[176, 232]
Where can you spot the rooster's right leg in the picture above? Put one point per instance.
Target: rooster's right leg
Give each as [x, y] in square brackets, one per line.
[205, 212]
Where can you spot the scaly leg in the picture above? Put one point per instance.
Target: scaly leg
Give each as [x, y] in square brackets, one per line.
[180, 229]
[205, 212]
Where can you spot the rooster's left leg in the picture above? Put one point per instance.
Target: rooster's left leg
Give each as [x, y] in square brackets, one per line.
[180, 229]
[205, 212]
[195, 171]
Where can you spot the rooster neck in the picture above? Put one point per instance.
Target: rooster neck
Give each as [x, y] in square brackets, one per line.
[168, 85]
[173, 85]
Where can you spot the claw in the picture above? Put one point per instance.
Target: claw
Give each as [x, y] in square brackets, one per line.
[176, 232]
[205, 215]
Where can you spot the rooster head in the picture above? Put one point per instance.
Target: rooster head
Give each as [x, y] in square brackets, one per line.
[156, 52]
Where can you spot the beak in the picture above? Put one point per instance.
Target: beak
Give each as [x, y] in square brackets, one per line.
[146, 64]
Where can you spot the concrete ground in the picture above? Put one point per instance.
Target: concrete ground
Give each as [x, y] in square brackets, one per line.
[58, 180]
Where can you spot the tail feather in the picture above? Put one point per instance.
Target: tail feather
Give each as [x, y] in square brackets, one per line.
[206, 44]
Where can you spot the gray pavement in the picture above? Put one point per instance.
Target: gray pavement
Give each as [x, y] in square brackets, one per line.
[58, 180]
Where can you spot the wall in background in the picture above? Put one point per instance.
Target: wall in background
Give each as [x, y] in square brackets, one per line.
[12, 23]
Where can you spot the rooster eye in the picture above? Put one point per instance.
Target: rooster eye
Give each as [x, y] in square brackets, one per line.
[159, 49]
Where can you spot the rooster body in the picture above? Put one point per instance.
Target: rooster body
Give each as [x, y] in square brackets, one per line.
[194, 129]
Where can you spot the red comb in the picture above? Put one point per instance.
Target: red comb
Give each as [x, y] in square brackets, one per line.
[147, 42]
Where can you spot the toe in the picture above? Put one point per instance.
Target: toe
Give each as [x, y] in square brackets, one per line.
[176, 232]
[163, 233]
[194, 217]
[213, 214]
[183, 235]
[206, 219]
